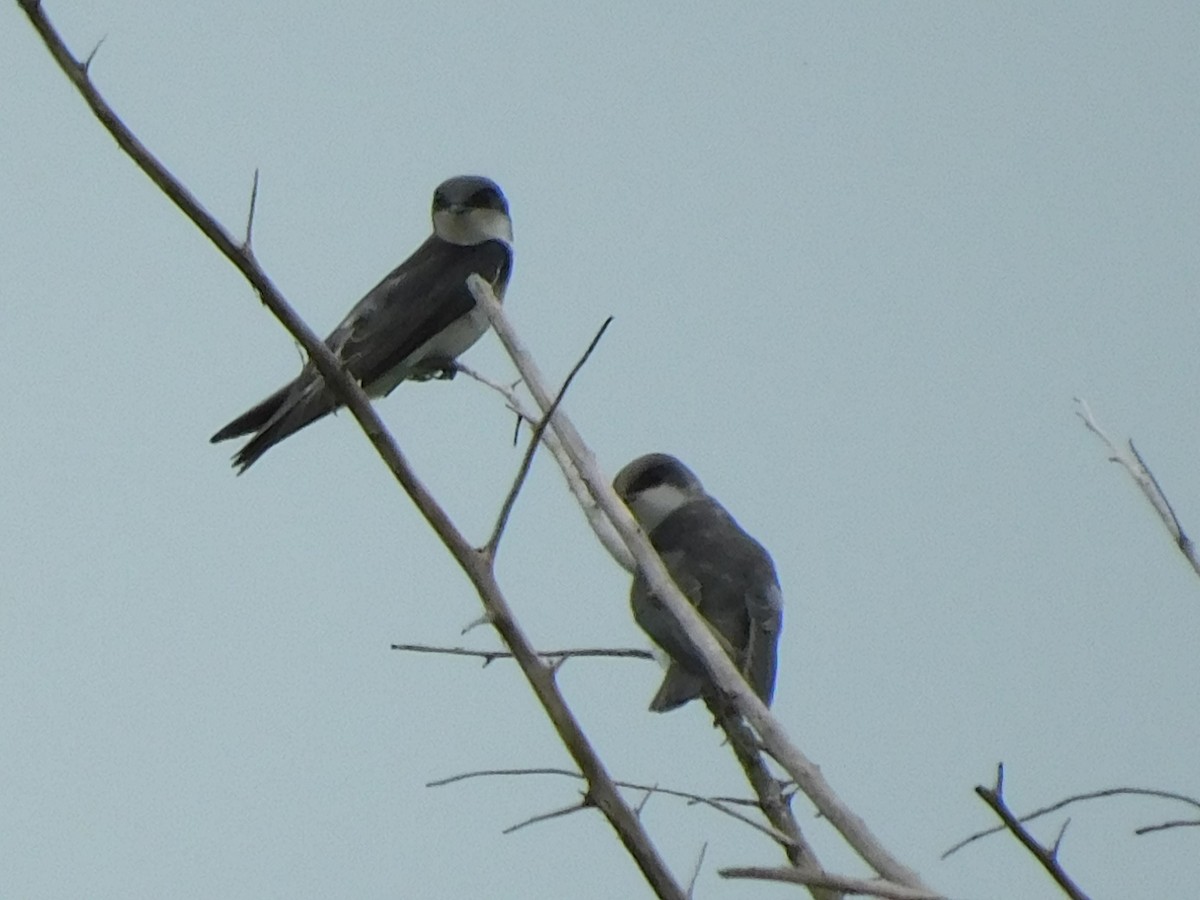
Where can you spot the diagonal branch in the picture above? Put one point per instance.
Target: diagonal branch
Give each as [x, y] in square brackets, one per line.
[596, 518]
[1131, 461]
[772, 801]
[718, 665]
[600, 784]
[1078, 798]
[535, 439]
[1048, 858]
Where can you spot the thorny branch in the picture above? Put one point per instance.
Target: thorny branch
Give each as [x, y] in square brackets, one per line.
[720, 804]
[477, 568]
[506, 508]
[1078, 798]
[595, 516]
[1047, 857]
[719, 667]
[772, 801]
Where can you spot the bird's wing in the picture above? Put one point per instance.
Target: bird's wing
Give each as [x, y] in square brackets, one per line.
[760, 660]
[413, 303]
[654, 619]
[730, 579]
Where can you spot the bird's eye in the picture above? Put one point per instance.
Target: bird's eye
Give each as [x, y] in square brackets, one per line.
[651, 477]
[485, 198]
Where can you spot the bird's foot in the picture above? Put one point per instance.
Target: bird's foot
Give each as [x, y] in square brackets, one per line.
[441, 369]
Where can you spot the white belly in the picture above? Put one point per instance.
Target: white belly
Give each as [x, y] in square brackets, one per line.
[449, 343]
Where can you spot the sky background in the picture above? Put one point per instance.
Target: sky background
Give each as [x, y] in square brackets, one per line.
[860, 259]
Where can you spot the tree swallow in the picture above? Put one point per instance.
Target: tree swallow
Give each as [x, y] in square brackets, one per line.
[725, 573]
[411, 325]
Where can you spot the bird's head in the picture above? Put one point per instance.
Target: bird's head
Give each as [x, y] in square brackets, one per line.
[471, 209]
[654, 486]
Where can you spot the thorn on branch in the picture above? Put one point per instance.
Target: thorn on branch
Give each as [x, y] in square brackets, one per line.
[86, 65]
[247, 244]
[691, 888]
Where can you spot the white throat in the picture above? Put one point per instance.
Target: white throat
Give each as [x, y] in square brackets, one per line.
[654, 504]
[473, 226]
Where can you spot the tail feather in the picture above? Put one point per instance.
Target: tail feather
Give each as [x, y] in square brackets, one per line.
[285, 412]
[295, 413]
[678, 687]
[254, 418]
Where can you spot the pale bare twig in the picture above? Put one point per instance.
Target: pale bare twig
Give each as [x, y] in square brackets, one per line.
[506, 508]
[1048, 858]
[719, 668]
[870, 887]
[1135, 465]
[490, 656]
[606, 795]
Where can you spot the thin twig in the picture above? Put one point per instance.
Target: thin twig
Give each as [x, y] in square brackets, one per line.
[569, 773]
[1147, 483]
[1164, 826]
[489, 549]
[1048, 859]
[248, 243]
[490, 656]
[600, 785]
[720, 804]
[546, 817]
[1077, 798]
[595, 516]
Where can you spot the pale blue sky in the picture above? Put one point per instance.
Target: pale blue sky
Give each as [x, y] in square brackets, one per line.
[860, 259]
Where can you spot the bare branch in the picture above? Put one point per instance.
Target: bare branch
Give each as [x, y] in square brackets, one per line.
[1135, 465]
[551, 656]
[720, 804]
[1164, 826]
[1077, 798]
[546, 817]
[535, 439]
[1048, 858]
[871, 887]
[595, 516]
[601, 787]
[772, 801]
[717, 663]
